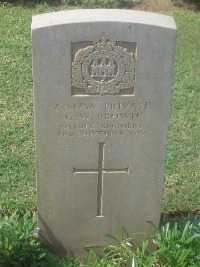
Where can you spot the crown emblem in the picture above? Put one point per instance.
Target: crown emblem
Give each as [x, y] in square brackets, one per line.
[103, 42]
[103, 68]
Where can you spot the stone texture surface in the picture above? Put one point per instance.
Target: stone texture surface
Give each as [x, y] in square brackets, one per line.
[102, 87]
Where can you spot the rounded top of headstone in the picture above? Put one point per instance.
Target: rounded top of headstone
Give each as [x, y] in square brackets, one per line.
[98, 15]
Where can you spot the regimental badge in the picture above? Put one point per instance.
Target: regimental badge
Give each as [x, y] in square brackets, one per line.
[104, 68]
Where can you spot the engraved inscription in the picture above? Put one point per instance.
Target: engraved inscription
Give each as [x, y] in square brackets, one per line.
[100, 171]
[75, 106]
[127, 106]
[108, 119]
[103, 68]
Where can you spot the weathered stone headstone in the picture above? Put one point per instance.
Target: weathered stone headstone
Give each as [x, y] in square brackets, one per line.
[102, 87]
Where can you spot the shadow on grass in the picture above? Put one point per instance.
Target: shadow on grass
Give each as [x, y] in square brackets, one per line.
[189, 4]
[197, 2]
[182, 218]
[32, 3]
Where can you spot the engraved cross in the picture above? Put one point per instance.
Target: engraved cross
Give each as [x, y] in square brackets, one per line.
[100, 171]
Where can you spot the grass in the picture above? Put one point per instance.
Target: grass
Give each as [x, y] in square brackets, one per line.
[17, 169]
[17, 144]
[178, 245]
[182, 179]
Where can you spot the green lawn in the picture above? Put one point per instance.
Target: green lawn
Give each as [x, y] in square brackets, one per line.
[17, 170]
[182, 175]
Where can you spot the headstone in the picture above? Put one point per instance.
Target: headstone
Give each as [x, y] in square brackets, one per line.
[102, 87]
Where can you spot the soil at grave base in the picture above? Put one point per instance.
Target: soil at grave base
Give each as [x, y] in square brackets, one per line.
[154, 5]
[179, 214]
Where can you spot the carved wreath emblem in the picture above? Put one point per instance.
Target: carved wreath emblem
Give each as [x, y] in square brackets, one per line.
[103, 68]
